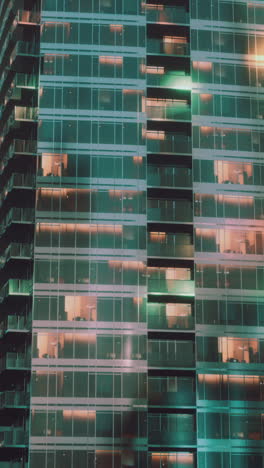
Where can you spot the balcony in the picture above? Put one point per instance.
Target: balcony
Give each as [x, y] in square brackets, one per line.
[169, 176]
[170, 323]
[28, 17]
[170, 250]
[26, 113]
[169, 354]
[171, 438]
[24, 80]
[18, 116]
[16, 287]
[171, 399]
[14, 399]
[169, 211]
[13, 437]
[14, 323]
[17, 147]
[158, 76]
[163, 244]
[14, 361]
[12, 82]
[19, 216]
[167, 109]
[171, 429]
[24, 48]
[16, 251]
[168, 45]
[163, 14]
[17, 181]
[168, 142]
[171, 287]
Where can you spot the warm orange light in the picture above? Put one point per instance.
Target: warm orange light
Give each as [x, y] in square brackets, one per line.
[158, 236]
[126, 265]
[137, 300]
[155, 135]
[132, 91]
[207, 130]
[155, 70]
[86, 228]
[172, 458]
[116, 28]
[137, 159]
[158, 102]
[206, 97]
[111, 60]
[151, 6]
[174, 40]
[204, 66]
[79, 414]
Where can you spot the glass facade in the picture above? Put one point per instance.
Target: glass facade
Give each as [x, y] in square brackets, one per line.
[131, 233]
[227, 101]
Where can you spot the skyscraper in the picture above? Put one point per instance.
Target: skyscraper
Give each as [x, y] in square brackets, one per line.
[131, 237]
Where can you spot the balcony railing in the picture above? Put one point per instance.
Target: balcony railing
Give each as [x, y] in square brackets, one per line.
[170, 211]
[170, 248]
[170, 286]
[17, 215]
[159, 322]
[16, 287]
[25, 80]
[28, 16]
[161, 142]
[167, 15]
[14, 361]
[169, 79]
[25, 48]
[18, 114]
[167, 353]
[13, 437]
[169, 176]
[171, 438]
[14, 323]
[172, 399]
[170, 360]
[25, 113]
[158, 46]
[18, 250]
[18, 146]
[14, 399]
[17, 181]
[168, 111]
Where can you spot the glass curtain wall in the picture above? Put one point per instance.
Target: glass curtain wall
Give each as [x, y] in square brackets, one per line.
[88, 405]
[227, 107]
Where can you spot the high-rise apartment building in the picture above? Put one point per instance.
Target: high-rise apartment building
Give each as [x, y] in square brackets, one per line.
[131, 233]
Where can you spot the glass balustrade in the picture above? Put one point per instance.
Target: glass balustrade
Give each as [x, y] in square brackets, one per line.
[168, 45]
[165, 109]
[14, 399]
[158, 76]
[14, 361]
[170, 353]
[169, 176]
[170, 210]
[170, 316]
[15, 287]
[14, 322]
[164, 14]
[161, 142]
